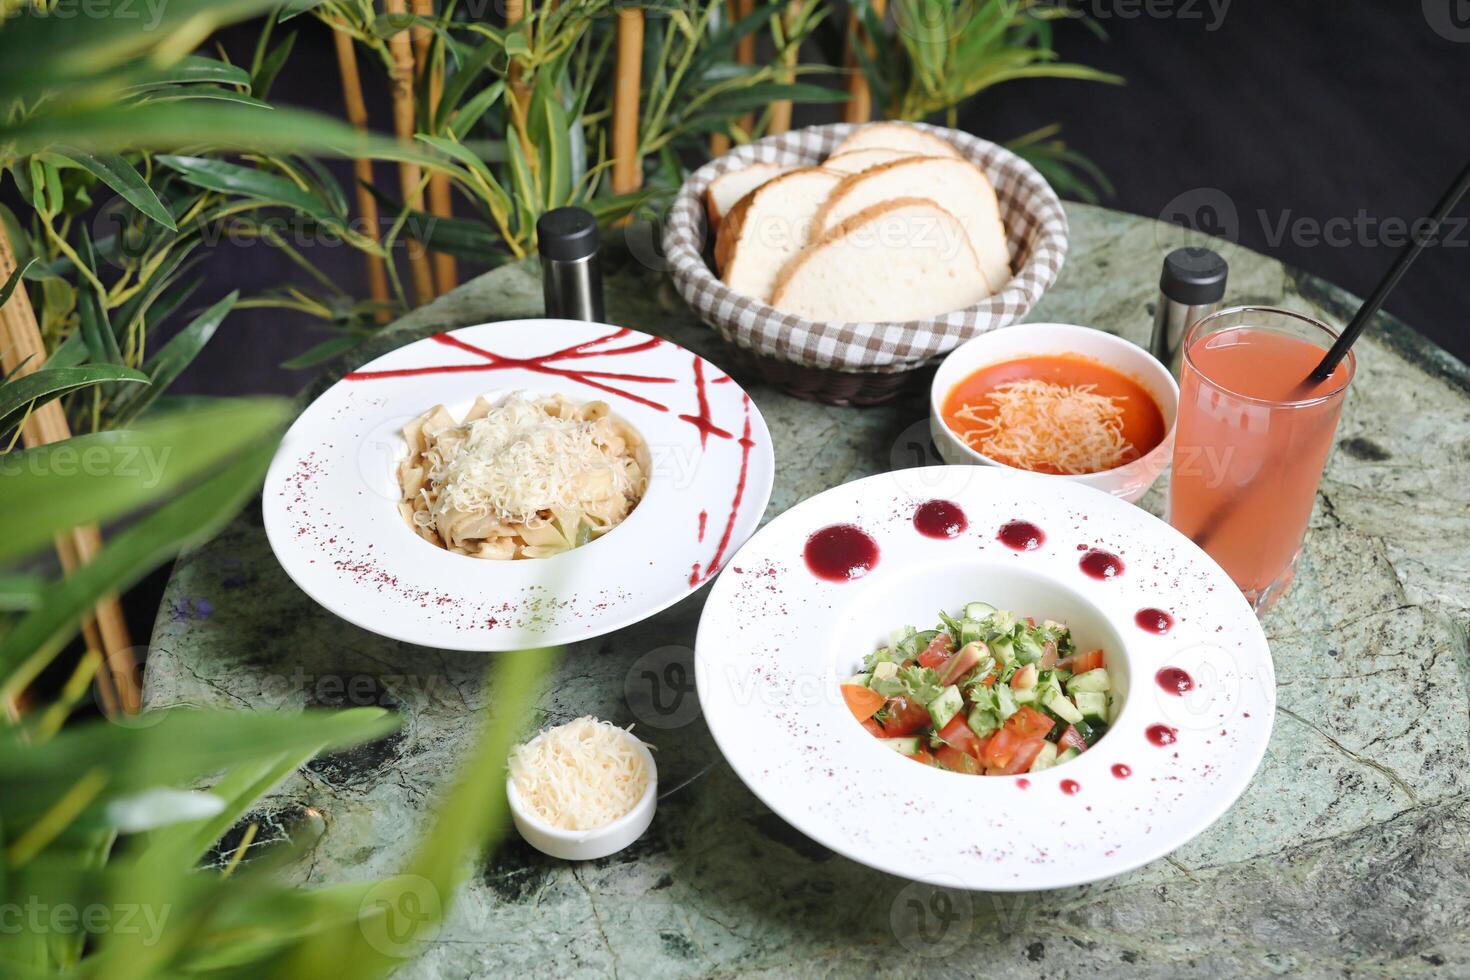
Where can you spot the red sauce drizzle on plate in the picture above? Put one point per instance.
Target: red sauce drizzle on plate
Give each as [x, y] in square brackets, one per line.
[1121, 770]
[940, 519]
[1021, 536]
[1023, 783]
[841, 553]
[1101, 565]
[1153, 620]
[1070, 787]
[1162, 735]
[1175, 681]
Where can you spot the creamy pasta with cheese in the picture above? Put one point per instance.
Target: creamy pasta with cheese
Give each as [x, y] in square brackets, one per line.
[525, 477]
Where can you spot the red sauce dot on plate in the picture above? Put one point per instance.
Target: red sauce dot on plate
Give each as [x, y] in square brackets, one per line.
[1101, 565]
[1121, 770]
[1070, 787]
[1021, 535]
[1154, 621]
[841, 553]
[1175, 681]
[940, 519]
[1162, 735]
[1023, 783]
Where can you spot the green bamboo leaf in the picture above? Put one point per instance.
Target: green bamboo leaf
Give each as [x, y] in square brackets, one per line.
[323, 352]
[39, 387]
[721, 45]
[190, 518]
[95, 477]
[526, 188]
[459, 82]
[270, 66]
[470, 113]
[193, 69]
[549, 130]
[121, 176]
[71, 352]
[20, 592]
[9, 285]
[96, 329]
[204, 93]
[231, 178]
[166, 365]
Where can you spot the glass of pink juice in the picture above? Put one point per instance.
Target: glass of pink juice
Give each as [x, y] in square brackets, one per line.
[1252, 438]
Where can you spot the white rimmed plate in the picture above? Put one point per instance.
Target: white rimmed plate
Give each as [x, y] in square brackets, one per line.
[775, 642]
[330, 498]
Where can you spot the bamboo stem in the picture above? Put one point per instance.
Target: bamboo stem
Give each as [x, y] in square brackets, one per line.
[446, 272]
[744, 49]
[22, 351]
[362, 168]
[781, 111]
[860, 103]
[627, 172]
[515, 12]
[410, 176]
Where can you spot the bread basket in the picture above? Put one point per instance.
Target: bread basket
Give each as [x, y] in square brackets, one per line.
[861, 363]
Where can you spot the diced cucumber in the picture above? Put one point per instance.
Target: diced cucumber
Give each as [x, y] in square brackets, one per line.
[1003, 648]
[978, 610]
[1056, 702]
[1005, 701]
[861, 680]
[1094, 680]
[943, 708]
[908, 745]
[885, 671]
[982, 721]
[1028, 647]
[1046, 759]
[1093, 705]
[1024, 695]
[1068, 755]
[971, 632]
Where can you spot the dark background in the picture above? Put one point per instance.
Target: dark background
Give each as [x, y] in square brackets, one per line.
[1296, 111]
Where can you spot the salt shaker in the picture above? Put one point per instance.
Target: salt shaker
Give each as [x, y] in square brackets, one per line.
[1190, 287]
[571, 275]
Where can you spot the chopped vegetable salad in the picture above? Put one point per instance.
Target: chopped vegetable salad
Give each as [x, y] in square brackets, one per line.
[985, 694]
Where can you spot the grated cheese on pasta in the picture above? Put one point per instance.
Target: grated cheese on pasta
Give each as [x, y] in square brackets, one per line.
[1039, 424]
[581, 775]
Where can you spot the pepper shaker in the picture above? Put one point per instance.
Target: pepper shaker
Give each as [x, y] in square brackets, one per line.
[1190, 287]
[571, 274]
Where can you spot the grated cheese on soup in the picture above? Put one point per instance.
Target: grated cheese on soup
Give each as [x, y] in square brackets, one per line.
[1037, 425]
[581, 775]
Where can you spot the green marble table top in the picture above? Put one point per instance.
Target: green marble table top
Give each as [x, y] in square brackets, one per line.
[1349, 853]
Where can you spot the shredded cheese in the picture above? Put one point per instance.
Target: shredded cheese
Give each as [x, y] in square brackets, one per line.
[519, 461]
[581, 775]
[1040, 425]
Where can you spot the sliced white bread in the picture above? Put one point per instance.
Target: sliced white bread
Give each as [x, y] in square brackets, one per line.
[897, 136]
[899, 260]
[956, 185]
[768, 226]
[856, 161]
[726, 189]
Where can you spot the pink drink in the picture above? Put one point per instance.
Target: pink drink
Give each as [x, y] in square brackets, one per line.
[1252, 439]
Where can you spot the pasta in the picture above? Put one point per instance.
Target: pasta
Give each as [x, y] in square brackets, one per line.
[521, 478]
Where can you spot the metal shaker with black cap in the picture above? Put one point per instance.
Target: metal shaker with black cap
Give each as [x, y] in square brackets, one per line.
[571, 274]
[1190, 288]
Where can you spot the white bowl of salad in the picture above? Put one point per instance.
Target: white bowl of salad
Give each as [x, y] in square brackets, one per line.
[987, 692]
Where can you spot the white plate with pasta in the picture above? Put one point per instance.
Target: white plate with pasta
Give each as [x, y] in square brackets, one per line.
[517, 484]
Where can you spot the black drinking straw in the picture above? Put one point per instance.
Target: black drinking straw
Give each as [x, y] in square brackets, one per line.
[1406, 258]
[1354, 329]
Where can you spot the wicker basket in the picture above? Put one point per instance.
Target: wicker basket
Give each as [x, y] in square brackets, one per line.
[861, 363]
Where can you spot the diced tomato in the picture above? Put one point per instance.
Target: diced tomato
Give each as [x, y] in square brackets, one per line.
[923, 755]
[1028, 723]
[956, 761]
[1031, 621]
[963, 662]
[863, 702]
[874, 728]
[938, 651]
[961, 736]
[1025, 754]
[904, 717]
[1071, 739]
[1000, 749]
[1049, 655]
[1083, 662]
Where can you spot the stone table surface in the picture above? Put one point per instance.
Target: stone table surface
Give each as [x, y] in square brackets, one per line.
[1348, 855]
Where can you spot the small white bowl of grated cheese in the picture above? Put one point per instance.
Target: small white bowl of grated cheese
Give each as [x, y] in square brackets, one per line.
[582, 790]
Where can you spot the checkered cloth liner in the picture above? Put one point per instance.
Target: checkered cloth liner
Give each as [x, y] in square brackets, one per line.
[1035, 225]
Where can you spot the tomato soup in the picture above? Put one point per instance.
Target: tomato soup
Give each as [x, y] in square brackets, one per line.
[1091, 403]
